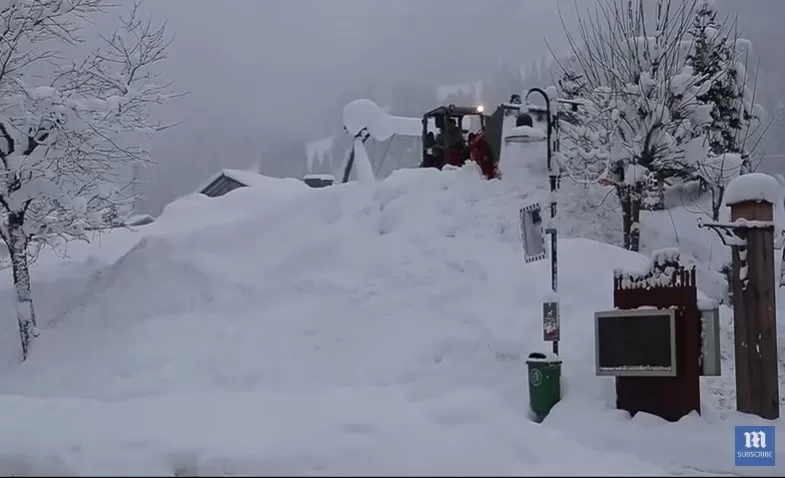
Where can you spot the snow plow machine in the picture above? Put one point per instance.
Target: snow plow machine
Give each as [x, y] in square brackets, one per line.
[452, 144]
[468, 134]
[449, 134]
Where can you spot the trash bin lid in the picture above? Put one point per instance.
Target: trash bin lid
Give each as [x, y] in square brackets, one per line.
[539, 357]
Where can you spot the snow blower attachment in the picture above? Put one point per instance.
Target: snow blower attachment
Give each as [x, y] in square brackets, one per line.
[453, 145]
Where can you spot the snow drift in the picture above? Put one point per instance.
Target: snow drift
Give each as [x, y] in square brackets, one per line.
[354, 329]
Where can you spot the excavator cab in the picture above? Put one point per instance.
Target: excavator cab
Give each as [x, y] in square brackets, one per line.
[451, 144]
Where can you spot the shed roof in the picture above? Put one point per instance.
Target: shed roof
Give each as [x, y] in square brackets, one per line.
[231, 179]
[244, 178]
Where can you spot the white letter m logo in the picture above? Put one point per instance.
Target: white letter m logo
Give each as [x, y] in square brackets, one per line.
[755, 439]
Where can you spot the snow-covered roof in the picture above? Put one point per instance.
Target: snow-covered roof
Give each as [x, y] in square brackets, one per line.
[319, 180]
[246, 178]
[323, 177]
[753, 187]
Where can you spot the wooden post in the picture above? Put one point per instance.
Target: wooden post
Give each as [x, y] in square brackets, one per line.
[754, 312]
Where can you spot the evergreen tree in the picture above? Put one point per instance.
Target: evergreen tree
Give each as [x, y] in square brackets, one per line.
[714, 59]
[572, 86]
[584, 142]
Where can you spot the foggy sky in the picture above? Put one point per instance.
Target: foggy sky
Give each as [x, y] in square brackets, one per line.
[264, 71]
[260, 72]
[254, 56]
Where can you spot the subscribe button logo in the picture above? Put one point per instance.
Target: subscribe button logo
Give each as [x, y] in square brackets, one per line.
[755, 446]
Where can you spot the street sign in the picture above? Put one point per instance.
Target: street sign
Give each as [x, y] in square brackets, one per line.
[532, 233]
[550, 321]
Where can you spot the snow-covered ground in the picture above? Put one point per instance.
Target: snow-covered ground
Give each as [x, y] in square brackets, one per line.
[362, 328]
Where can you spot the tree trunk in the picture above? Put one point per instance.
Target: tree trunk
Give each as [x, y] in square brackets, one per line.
[626, 213]
[716, 202]
[746, 167]
[630, 199]
[635, 219]
[25, 313]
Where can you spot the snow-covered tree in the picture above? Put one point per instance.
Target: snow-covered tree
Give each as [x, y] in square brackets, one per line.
[719, 57]
[715, 171]
[633, 61]
[67, 141]
[584, 139]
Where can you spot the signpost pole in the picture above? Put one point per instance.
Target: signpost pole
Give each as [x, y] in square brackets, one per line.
[541, 402]
[552, 131]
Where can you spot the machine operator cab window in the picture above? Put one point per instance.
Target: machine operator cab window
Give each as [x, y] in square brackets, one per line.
[450, 145]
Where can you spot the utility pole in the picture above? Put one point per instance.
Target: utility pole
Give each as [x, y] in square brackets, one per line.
[552, 138]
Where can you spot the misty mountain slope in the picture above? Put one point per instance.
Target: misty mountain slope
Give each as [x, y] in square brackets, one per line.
[346, 330]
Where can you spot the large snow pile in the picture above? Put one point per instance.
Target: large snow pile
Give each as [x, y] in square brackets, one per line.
[364, 328]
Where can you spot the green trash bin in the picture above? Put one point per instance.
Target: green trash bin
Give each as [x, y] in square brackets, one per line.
[544, 383]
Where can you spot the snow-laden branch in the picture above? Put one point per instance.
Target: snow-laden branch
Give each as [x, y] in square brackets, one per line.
[640, 104]
[642, 101]
[67, 145]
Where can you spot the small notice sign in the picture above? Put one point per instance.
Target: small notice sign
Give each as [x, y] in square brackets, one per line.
[550, 321]
[532, 234]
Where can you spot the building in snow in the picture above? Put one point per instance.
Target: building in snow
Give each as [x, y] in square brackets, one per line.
[319, 180]
[229, 180]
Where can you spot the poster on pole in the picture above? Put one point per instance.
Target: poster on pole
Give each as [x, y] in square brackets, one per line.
[532, 233]
[550, 321]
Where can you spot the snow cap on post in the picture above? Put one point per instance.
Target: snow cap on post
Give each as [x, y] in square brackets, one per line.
[753, 187]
